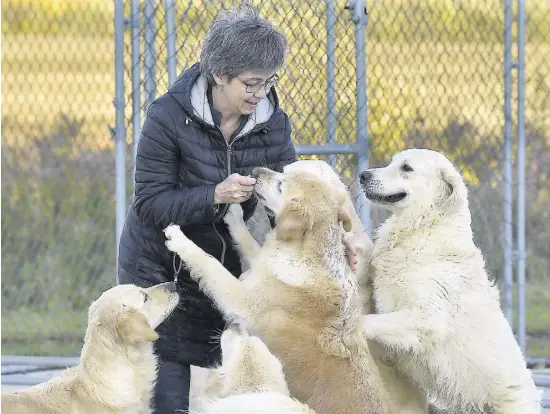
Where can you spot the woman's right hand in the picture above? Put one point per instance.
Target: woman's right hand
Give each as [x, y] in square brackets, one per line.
[234, 189]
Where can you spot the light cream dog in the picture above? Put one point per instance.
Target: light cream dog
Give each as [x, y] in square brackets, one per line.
[300, 295]
[438, 314]
[406, 397]
[117, 369]
[250, 379]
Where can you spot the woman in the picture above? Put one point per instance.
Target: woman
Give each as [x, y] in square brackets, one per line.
[199, 144]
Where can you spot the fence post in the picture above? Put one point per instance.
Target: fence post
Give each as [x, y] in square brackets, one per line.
[135, 22]
[521, 175]
[360, 19]
[508, 185]
[120, 130]
[150, 58]
[331, 78]
[171, 60]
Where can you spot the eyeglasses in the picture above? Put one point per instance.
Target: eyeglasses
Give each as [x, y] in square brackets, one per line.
[253, 88]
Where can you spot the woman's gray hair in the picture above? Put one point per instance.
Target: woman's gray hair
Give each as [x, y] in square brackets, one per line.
[240, 41]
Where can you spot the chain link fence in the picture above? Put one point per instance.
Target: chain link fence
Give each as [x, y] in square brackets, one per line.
[312, 74]
[435, 79]
[58, 239]
[537, 176]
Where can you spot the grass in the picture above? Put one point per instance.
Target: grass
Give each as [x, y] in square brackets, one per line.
[538, 320]
[26, 331]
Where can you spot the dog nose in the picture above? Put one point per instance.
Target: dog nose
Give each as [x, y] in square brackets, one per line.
[255, 172]
[365, 176]
[170, 286]
[237, 327]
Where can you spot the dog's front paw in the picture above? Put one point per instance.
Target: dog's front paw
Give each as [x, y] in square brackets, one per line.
[234, 215]
[176, 239]
[369, 325]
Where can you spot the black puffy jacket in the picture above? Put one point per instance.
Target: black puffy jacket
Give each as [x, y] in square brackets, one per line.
[181, 157]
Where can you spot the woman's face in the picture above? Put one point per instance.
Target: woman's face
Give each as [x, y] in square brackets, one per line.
[242, 94]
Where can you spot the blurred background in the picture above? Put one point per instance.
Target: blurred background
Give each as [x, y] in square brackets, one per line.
[435, 77]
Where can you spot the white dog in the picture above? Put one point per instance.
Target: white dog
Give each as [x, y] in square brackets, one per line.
[250, 379]
[438, 314]
[300, 295]
[118, 369]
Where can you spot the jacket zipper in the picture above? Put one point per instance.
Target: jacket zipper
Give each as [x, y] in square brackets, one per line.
[229, 153]
[224, 246]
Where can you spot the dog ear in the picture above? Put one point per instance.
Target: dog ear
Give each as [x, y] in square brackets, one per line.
[290, 224]
[455, 191]
[133, 327]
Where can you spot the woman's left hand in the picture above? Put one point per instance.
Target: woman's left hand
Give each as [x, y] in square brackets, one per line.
[350, 250]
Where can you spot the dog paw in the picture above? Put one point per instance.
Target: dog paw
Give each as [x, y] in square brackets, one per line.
[173, 231]
[234, 215]
[176, 239]
[369, 325]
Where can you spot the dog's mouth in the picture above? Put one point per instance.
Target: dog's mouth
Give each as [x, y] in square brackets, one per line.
[258, 195]
[269, 211]
[169, 308]
[385, 199]
[266, 208]
[263, 200]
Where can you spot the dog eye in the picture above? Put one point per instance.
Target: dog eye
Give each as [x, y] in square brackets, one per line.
[406, 168]
[279, 186]
[146, 297]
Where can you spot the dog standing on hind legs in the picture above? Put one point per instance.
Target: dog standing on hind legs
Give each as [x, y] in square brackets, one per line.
[437, 313]
[300, 295]
[406, 397]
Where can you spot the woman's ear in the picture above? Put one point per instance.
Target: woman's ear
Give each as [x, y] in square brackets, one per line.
[220, 81]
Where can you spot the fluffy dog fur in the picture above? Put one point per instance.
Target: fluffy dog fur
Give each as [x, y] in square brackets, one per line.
[406, 397]
[250, 379]
[117, 369]
[300, 295]
[438, 314]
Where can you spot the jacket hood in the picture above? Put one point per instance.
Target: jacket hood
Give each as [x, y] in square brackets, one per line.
[190, 92]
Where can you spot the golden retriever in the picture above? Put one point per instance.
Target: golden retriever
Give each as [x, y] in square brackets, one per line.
[300, 295]
[250, 379]
[406, 397]
[117, 369]
[438, 314]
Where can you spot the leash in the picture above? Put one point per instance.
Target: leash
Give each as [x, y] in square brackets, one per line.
[177, 269]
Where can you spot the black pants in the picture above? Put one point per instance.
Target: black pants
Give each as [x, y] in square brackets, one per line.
[172, 388]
